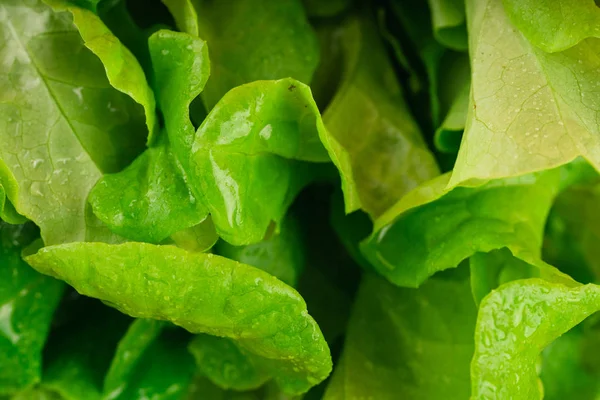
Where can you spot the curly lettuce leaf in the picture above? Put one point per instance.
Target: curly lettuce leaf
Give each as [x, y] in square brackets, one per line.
[514, 325]
[203, 293]
[555, 25]
[244, 157]
[62, 124]
[150, 362]
[178, 84]
[249, 40]
[220, 359]
[372, 138]
[151, 200]
[530, 110]
[432, 229]
[408, 343]
[27, 303]
[122, 68]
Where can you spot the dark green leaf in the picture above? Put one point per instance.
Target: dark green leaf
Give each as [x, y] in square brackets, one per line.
[27, 303]
[408, 343]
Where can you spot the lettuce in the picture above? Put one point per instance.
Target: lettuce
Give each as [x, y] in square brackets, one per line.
[292, 199]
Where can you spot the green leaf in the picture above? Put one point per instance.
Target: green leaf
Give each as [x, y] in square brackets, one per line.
[78, 354]
[27, 303]
[530, 110]
[203, 293]
[201, 237]
[185, 15]
[140, 334]
[61, 121]
[226, 364]
[372, 138]
[177, 84]
[408, 343]
[449, 135]
[122, 68]
[432, 229]
[149, 200]
[555, 25]
[490, 270]
[117, 16]
[281, 255]
[449, 23]
[243, 158]
[7, 210]
[454, 94]
[514, 325]
[149, 365]
[249, 40]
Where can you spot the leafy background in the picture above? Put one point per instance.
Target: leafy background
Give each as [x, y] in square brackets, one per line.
[299, 199]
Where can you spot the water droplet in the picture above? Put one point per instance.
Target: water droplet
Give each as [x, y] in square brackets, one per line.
[6, 326]
[36, 189]
[78, 92]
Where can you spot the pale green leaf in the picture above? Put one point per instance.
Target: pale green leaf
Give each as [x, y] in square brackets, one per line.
[530, 110]
[372, 138]
[515, 323]
[122, 68]
[555, 25]
[62, 124]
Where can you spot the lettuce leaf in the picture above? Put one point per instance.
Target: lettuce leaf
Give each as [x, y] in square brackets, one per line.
[63, 125]
[514, 324]
[203, 293]
[372, 138]
[122, 69]
[555, 26]
[412, 241]
[150, 362]
[530, 110]
[449, 23]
